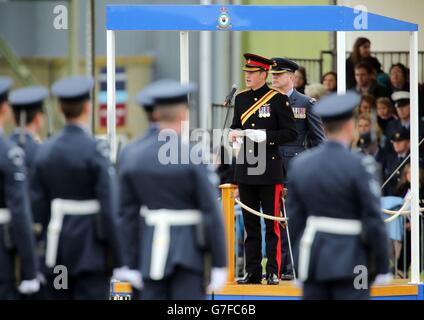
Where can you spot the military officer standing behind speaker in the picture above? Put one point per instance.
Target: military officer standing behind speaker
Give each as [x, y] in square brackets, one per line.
[337, 227]
[169, 208]
[75, 199]
[310, 133]
[17, 242]
[263, 120]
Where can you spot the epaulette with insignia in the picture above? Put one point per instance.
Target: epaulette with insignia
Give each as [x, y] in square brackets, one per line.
[312, 100]
[241, 91]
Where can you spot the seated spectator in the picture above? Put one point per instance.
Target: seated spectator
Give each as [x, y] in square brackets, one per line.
[300, 80]
[368, 136]
[361, 52]
[329, 80]
[367, 146]
[399, 81]
[366, 83]
[403, 110]
[316, 91]
[385, 113]
[392, 160]
[364, 123]
[399, 78]
[367, 104]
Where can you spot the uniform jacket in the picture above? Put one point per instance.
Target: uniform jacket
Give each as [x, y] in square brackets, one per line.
[280, 128]
[310, 130]
[340, 185]
[16, 237]
[145, 181]
[72, 165]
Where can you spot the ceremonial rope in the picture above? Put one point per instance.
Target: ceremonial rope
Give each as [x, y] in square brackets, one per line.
[259, 214]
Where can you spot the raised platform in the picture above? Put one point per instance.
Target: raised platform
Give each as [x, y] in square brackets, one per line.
[286, 290]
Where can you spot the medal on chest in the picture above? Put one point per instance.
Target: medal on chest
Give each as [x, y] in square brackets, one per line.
[265, 111]
[299, 113]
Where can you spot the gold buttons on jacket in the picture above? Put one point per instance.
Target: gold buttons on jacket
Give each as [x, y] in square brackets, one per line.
[253, 124]
[273, 158]
[256, 99]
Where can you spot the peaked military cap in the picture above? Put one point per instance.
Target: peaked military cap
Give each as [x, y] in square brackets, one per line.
[169, 91]
[364, 140]
[28, 98]
[5, 85]
[256, 63]
[401, 98]
[145, 100]
[73, 89]
[337, 107]
[400, 135]
[281, 65]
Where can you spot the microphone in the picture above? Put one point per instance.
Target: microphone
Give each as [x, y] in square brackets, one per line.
[230, 96]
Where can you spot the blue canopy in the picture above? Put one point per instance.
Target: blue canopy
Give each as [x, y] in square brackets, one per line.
[245, 18]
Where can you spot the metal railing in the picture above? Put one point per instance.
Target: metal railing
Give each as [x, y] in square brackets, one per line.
[387, 59]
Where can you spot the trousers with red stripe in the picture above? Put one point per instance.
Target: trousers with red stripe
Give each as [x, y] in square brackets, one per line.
[267, 198]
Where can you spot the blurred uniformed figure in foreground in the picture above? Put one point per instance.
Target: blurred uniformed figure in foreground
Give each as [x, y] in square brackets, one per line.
[145, 101]
[29, 120]
[337, 225]
[75, 199]
[262, 119]
[169, 208]
[310, 133]
[18, 263]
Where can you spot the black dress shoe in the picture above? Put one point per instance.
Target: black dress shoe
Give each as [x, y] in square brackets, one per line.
[272, 279]
[250, 278]
[286, 277]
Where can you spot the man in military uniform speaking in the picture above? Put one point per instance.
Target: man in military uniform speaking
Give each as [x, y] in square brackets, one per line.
[337, 225]
[310, 133]
[262, 121]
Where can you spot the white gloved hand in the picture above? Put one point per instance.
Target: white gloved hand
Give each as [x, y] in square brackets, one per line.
[256, 135]
[29, 286]
[218, 279]
[382, 279]
[134, 277]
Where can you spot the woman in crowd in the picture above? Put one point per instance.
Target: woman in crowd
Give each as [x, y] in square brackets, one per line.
[361, 52]
[300, 80]
[367, 104]
[329, 81]
[399, 76]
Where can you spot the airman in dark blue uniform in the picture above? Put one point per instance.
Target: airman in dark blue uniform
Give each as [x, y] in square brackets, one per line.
[17, 242]
[169, 208]
[391, 161]
[29, 121]
[336, 227]
[310, 133]
[147, 102]
[75, 199]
